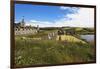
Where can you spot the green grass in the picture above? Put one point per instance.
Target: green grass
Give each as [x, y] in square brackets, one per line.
[35, 52]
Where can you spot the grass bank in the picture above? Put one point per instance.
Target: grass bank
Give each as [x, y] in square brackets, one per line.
[34, 52]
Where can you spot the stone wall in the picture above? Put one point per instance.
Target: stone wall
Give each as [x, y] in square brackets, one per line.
[25, 31]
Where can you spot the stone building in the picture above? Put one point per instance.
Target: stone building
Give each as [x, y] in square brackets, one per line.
[20, 28]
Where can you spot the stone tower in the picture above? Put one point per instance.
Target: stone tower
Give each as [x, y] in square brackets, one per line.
[22, 22]
[38, 28]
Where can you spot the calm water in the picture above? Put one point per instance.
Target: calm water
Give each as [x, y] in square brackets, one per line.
[88, 38]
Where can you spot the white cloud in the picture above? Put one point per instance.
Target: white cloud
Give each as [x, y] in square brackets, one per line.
[40, 23]
[64, 8]
[70, 9]
[83, 18]
[33, 21]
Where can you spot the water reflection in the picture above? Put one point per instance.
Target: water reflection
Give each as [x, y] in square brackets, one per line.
[88, 38]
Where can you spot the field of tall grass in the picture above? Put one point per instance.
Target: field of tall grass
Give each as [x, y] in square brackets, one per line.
[41, 52]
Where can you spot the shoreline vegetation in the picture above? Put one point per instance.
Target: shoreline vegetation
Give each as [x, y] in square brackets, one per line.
[36, 49]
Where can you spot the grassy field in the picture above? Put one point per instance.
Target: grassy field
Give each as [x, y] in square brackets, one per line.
[37, 52]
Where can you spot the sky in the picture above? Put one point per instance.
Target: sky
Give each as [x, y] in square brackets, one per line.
[54, 16]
